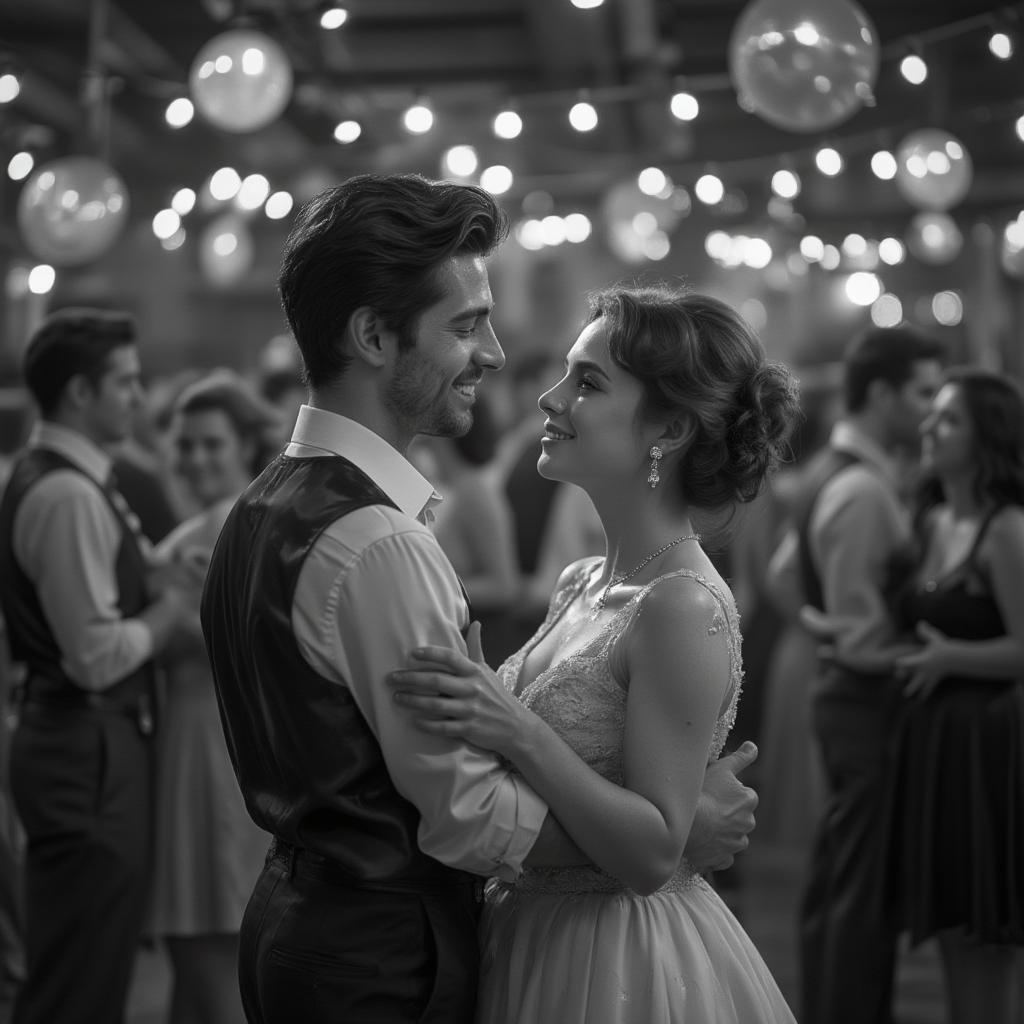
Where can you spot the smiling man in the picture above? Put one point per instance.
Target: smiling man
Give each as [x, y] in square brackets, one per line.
[324, 577]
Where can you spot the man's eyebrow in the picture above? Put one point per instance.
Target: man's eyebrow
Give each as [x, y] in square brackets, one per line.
[472, 314]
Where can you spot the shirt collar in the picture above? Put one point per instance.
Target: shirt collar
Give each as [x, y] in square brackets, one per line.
[848, 437]
[338, 435]
[74, 446]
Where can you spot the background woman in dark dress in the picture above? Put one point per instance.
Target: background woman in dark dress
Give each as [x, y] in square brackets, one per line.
[957, 834]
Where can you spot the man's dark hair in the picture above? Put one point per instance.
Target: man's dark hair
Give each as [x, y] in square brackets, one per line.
[885, 353]
[376, 241]
[72, 342]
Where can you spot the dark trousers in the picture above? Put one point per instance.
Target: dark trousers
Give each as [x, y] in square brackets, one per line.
[847, 942]
[322, 952]
[82, 785]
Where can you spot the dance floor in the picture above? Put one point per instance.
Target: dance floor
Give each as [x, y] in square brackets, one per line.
[764, 896]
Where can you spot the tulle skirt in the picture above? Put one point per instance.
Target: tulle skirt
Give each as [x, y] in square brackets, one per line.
[675, 957]
[956, 817]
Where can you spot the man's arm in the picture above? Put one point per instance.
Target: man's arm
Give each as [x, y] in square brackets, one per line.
[369, 593]
[66, 539]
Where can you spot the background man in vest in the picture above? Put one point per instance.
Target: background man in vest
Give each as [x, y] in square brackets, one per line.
[850, 519]
[324, 577]
[79, 612]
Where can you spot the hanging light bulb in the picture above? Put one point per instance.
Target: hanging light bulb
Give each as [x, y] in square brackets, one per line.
[179, 112]
[828, 161]
[333, 17]
[507, 124]
[583, 116]
[913, 69]
[684, 106]
[419, 118]
[10, 87]
[1001, 45]
[347, 131]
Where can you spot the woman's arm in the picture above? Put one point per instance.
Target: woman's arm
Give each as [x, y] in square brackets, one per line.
[636, 832]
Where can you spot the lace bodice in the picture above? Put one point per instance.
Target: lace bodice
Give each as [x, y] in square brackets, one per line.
[580, 698]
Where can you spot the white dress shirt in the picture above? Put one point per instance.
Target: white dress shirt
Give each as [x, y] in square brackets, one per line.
[66, 538]
[375, 585]
[858, 521]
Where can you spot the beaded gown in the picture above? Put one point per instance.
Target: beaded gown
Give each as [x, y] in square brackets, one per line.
[574, 945]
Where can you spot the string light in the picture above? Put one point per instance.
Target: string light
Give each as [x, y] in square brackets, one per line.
[913, 69]
[507, 124]
[1001, 45]
[278, 205]
[41, 279]
[20, 165]
[583, 116]
[884, 165]
[786, 184]
[709, 189]
[461, 161]
[184, 201]
[166, 223]
[418, 119]
[496, 179]
[684, 106]
[10, 87]
[179, 112]
[333, 17]
[829, 161]
[347, 131]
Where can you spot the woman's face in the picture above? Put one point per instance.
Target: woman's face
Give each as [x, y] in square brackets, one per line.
[947, 436]
[593, 434]
[212, 458]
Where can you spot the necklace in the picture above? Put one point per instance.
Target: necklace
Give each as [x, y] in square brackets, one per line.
[616, 578]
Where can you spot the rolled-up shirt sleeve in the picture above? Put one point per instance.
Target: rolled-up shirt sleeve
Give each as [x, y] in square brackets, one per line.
[66, 540]
[857, 524]
[384, 598]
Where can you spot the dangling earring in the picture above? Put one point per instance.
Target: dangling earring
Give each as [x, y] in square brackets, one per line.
[653, 478]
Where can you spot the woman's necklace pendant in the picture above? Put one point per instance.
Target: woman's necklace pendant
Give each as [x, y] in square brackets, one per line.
[618, 578]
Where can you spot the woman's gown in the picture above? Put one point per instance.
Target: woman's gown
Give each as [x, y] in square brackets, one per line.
[574, 945]
[956, 849]
[208, 851]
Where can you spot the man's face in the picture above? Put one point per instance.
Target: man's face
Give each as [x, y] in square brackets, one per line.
[433, 384]
[112, 401]
[912, 402]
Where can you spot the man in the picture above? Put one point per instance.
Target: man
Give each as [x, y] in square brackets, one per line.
[850, 519]
[80, 617]
[324, 577]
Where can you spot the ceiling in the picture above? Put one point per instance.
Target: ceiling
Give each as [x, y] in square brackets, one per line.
[472, 57]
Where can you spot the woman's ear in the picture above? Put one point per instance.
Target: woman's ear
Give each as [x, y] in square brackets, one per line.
[677, 435]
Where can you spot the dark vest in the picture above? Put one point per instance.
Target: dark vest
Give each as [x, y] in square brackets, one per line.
[307, 763]
[31, 639]
[822, 468]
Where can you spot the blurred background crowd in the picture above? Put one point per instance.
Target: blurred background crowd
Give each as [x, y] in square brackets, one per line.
[826, 168]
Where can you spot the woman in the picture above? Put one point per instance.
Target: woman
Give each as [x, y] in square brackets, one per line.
[209, 853]
[957, 842]
[668, 410]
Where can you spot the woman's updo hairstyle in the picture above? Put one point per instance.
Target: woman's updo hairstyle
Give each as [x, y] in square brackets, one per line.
[698, 359]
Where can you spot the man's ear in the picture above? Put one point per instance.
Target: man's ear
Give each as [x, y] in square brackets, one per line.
[368, 337]
[78, 391]
[879, 393]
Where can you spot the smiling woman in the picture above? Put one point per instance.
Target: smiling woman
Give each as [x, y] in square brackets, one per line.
[208, 852]
[617, 708]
